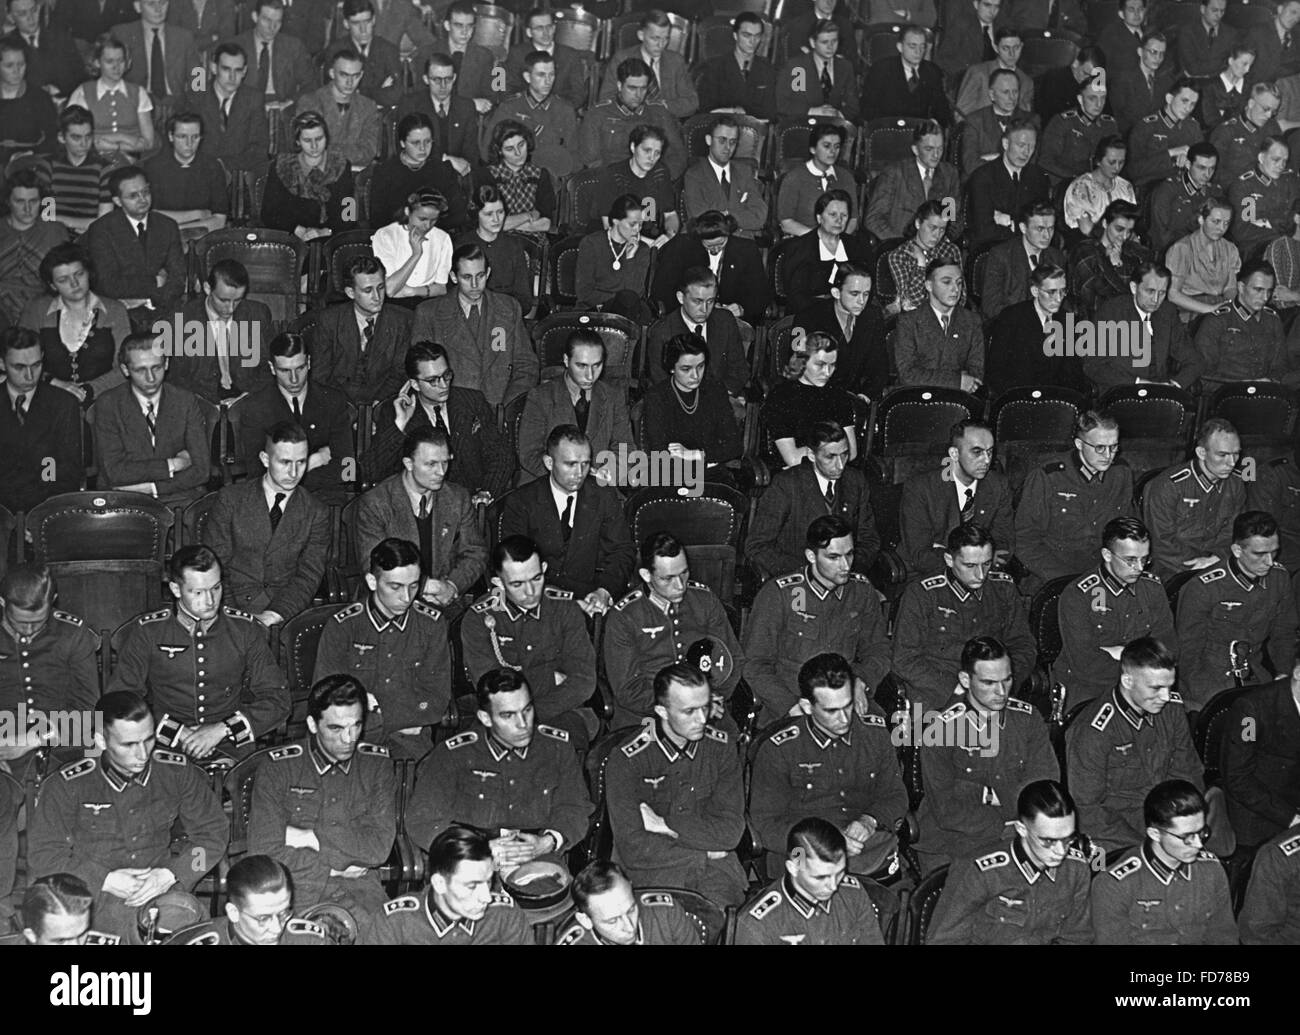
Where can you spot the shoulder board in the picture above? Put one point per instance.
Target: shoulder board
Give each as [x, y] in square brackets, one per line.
[1151, 118]
[1076, 855]
[156, 616]
[500, 898]
[1181, 475]
[206, 938]
[99, 938]
[234, 612]
[697, 585]
[74, 769]
[1280, 461]
[857, 576]
[1087, 584]
[1238, 473]
[765, 905]
[1175, 697]
[851, 881]
[934, 582]
[483, 606]
[1151, 576]
[631, 598]
[1290, 846]
[372, 749]
[871, 719]
[1130, 865]
[787, 734]
[460, 740]
[405, 904]
[957, 709]
[551, 593]
[428, 610]
[351, 611]
[638, 743]
[1206, 857]
[656, 898]
[1016, 705]
[300, 926]
[1214, 576]
[63, 616]
[1054, 466]
[170, 757]
[553, 732]
[572, 935]
[993, 860]
[999, 576]
[718, 735]
[288, 751]
[1102, 718]
[786, 581]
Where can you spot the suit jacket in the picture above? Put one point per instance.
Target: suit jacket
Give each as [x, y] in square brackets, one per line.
[548, 406]
[599, 553]
[1055, 91]
[1172, 355]
[217, 23]
[801, 71]
[963, 42]
[1131, 100]
[974, 92]
[675, 87]
[702, 191]
[125, 455]
[481, 459]
[807, 275]
[1121, 47]
[925, 357]
[47, 443]
[1196, 54]
[1006, 275]
[476, 77]
[742, 280]
[990, 190]
[1261, 774]
[180, 56]
[307, 21]
[727, 360]
[1016, 354]
[1034, 14]
[721, 84]
[885, 93]
[929, 510]
[862, 365]
[461, 138]
[571, 71]
[381, 76]
[459, 553]
[402, 17]
[501, 362]
[89, 19]
[324, 418]
[1272, 60]
[338, 360]
[202, 374]
[125, 268]
[241, 141]
[262, 570]
[292, 71]
[982, 136]
[54, 62]
[899, 191]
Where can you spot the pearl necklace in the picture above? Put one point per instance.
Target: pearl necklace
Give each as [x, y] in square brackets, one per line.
[678, 393]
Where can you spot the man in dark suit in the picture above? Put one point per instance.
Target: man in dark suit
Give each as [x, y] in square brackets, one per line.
[381, 78]
[40, 428]
[234, 123]
[697, 313]
[741, 81]
[279, 64]
[968, 35]
[1138, 89]
[271, 534]
[480, 455]
[578, 525]
[455, 122]
[151, 437]
[996, 191]
[981, 140]
[234, 330]
[716, 183]
[357, 344]
[145, 38]
[1150, 341]
[818, 83]
[1056, 89]
[421, 506]
[1018, 352]
[799, 22]
[321, 411]
[820, 485]
[571, 66]
[582, 398]
[941, 343]
[906, 86]
[901, 188]
[1006, 275]
[1203, 44]
[1277, 51]
[857, 326]
[1120, 39]
[974, 90]
[477, 77]
[736, 262]
[216, 23]
[670, 79]
[1261, 773]
[137, 254]
[52, 57]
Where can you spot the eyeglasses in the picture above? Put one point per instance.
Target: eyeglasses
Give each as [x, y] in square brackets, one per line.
[281, 918]
[443, 80]
[1103, 450]
[1195, 837]
[1048, 843]
[438, 379]
[1133, 562]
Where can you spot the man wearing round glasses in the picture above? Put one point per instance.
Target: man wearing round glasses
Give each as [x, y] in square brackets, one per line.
[1168, 890]
[259, 911]
[1032, 892]
[1065, 504]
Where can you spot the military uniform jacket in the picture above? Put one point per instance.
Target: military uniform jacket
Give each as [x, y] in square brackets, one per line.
[474, 778]
[697, 790]
[349, 805]
[1070, 140]
[602, 134]
[1141, 901]
[539, 643]
[415, 920]
[1175, 205]
[1237, 140]
[801, 771]
[1271, 200]
[1150, 142]
[1271, 912]
[1003, 898]
[782, 916]
[1115, 756]
[641, 638]
[1242, 346]
[220, 932]
[54, 670]
[1224, 606]
[1098, 611]
[1063, 508]
[404, 662]
[192, 678]
[1190, 516]
[1276, 491]
[1261, 773]
[929, 509]
[795, 618]
[92, 938]
[90, 820]
[937, 615]
[661, 922]
[971, 791]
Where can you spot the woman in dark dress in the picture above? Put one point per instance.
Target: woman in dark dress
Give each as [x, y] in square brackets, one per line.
[410, 170]
[805, 397]
[306, 192]
[613, 265]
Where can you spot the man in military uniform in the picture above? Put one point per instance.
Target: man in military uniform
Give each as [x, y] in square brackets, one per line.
[1126, 742]
[1176, 202]
[1239, 138]
[459, 906]
[515, 778]
[668, 621]
[1228, 615]
[833, 764]
[1261, 198]
[1276, 490]
[325, 807]
[815, 902]
[56, 911]
[1157, 145]
[1190, 507]
[1271, 913]
[396, 645]
[206, 669]
[1065, 504]
[537, 630]
[1166, 891]
[676, 804]
[109, 820]
[1114, 604]
[609, 912]
[1033, 891]
[259, 910]
[827, 607]
[990, 746]
[965, 488]
[939, 615]
[603, 134]
[1071, 138]
[1246, 341]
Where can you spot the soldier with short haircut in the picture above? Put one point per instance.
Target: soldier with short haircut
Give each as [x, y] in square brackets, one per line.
[56, 911]
[259, 910]
[609, 911]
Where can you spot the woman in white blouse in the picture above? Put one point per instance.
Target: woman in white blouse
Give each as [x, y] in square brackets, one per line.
[1087, 197]
[123, 111]
[416, 254]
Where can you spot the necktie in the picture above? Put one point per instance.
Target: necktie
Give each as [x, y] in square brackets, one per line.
[225, 113]
[442, 110]
[343, 109]
[157, 73]
[744, 69]
[582, 410]
[263, 67]
[277, 511]
[927, 180]
[913, 81]
[726, 185]
[1015, 179]
[438, 422]
[1213, 32]
[967, 503]
[943, 323]
[368, 335]
[1033, 260]
[424, 526]
[826, 81]
[565, 529]
[139, 232]
[830, 495]
[654, 78]
[474, 321]
[150, 418]
[32, 41]
[297, 410]
[20, 409]
[697, 329]
[848, 328]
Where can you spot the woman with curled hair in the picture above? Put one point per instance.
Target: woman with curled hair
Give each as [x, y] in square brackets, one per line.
[123, 111]
[1101, 264]
[507, 260]
[1203, 265]
[24, 239]
[1089, 195]
[307, 191]
[398, 177]
[927, 240]
[613, 265]
[415, 253]
[525, 187]
[811, 260]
